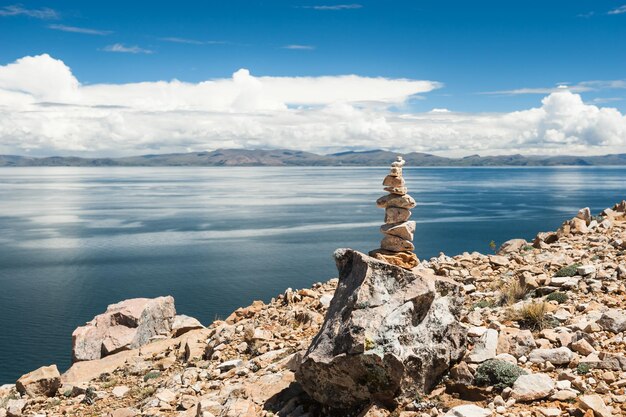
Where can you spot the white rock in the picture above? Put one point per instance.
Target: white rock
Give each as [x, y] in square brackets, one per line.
[557, 356]
[585, 270]
[228, 365]
[325, 300]
[596, 403]
[120, 391]
[468, 410]
[532, 387]
[485, 347]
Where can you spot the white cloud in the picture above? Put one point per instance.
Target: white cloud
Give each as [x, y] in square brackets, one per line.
[619, 10]
[118, 47]
[299, 47]
[336, 7]
[581, 87]
[18, 10]
[45, 110]
[174, 39]
[75, 29]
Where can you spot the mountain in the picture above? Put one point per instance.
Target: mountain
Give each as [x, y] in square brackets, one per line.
[286, 157]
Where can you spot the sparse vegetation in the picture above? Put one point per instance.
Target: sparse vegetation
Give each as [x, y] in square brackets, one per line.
[513, 291]
[492, 246]
[483, 304]
[497, 373]
[526, 248]
[583, 368]
[532, 316]
[559, 297]
[151, 375]
[567, 271]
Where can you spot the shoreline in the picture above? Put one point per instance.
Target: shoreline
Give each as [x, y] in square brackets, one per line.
[287, 323]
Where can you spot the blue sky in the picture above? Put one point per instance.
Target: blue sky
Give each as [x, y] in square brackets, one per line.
[486, 55]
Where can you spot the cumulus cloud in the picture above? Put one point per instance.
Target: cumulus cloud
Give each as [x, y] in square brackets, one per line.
[45, 110]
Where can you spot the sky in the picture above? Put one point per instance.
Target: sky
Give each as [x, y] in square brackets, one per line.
[447, 77]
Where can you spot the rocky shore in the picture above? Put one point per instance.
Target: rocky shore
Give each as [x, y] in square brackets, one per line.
[537, 329]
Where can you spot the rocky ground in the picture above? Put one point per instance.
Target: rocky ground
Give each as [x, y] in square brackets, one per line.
[545, 322]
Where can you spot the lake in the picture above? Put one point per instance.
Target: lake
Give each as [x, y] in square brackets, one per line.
[73, 240]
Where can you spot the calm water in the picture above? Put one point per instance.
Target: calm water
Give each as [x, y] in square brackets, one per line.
[73, 240]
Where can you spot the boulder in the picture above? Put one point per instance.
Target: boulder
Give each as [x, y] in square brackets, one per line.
[511, 246]
[532, 387]
[126, 325]
[182, 324]
[44, 381]
[389, 333]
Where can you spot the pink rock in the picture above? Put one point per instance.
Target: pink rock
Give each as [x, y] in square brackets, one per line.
[125, 325]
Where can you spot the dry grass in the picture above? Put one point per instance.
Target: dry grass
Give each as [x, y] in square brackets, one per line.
[531, 315]
[513, 291]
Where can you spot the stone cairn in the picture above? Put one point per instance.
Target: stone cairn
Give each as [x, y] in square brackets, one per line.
[396, 247]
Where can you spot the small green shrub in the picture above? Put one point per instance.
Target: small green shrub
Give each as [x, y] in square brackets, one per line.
[526, 248]
[567, 271]
[493, 246]
[559, 297]
[151, 375]
[497, 373]
[583, 368]
[483, 304]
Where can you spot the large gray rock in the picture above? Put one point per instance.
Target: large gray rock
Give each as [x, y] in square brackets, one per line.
[126, 325]
[389, 333]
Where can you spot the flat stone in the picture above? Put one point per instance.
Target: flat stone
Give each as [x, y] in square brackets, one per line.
[395, 200]
[228, 365]
[613, 320]
[583, 347]
[556, 356]
[391, 181]
[396, 244]
[396, 190]
[485, 347]
[406, 260]
[404, 230]
[585, 270]
[532, 387]
[395, 172]
[595, 403]
[166, 395]
[120, 391]
[498, 260]
[396, 215]
[44, 381]
[468, 410]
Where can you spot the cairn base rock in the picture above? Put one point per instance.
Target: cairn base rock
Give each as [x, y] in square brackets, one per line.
[389, 334]
[406, 260]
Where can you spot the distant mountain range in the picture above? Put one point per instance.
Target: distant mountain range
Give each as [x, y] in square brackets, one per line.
[283, 157]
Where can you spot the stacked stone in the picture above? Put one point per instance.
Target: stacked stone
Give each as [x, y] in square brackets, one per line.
[396, 247]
